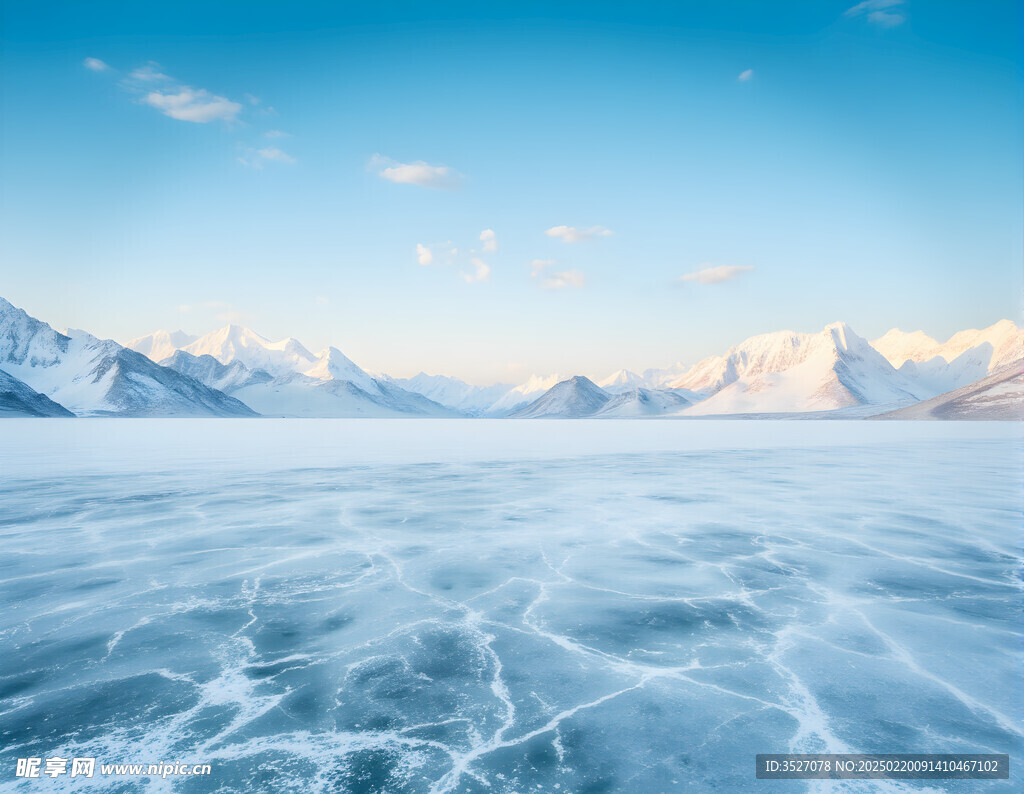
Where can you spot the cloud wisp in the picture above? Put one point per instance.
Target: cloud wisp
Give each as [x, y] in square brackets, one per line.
[745, 75]
[257, 158]
[570, 234]
[561, 279]
[95, 65]
[877, 12]
[435, 177]
[716, 274]
[489, 240]
[193, 104]
[481, 272]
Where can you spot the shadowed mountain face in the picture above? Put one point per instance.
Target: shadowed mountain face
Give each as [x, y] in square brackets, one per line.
[19, 399]
[997, 396]
[223, 377]
[94, 377]
[569, 399]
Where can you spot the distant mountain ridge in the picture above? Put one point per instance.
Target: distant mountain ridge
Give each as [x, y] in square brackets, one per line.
[234, 371]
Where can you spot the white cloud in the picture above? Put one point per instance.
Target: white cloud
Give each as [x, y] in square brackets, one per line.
[877, 13]
[716, 275]
[252, 99]
[745, 75]
[537, 265]
[489, 240]
[424, 255]
[438, 177]
[564, 279]
[276, 134]
[191, 104]
[95, 64]
[256, 158]
[148, 73]
[570, 234]
[886, 19]
[481, 272]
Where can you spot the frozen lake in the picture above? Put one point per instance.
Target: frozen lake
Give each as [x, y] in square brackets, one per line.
[433, 606]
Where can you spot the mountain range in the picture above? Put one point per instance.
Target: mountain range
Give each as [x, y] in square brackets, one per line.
[234, 371]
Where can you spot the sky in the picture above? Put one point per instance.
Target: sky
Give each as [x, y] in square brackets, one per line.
[492, 190]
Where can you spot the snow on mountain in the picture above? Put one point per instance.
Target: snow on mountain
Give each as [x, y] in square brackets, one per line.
[332, 364]
[660, 378]
[18, 399]
[786, 372]
[454, 393]
[570, 399]
[157, 345]
[237, 343]
[523, 394]
[1004, 341]
[996, 396]
[93, 377]
[963, 359]
[898, 346]
[646, 402]
[304, 396]
[206, 369]
[622, 381]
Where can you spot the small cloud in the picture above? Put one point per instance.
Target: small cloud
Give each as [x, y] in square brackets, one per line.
[256, 158]
[481, 272]
[191, 104]
[570, 234]
[252, 100]
[437, 177]
[877, 13]
[276, 134]
[424, 255]
[564, 279]
[95, 64]
[489, 240]
[745, 75]
[537, 265]
[885, 19]
[148, 73]
[716, 275]
[322, 300]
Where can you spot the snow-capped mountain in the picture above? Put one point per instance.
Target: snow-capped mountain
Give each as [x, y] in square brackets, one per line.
[454, 393]
[237, 343]
[965, 358]
[285, 379]
[570, 399]
[996, 396]
[622, 381]
[158, 345]
[786, 372]
[94, 377]
[20, 399]
[523, 394]
[206, 369]
[647, 402]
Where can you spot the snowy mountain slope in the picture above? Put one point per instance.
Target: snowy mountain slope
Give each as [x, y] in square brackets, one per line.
[237, 343]
[332, 364]
[570, 399]
[160, 344]
[787, 372]
[452, 392]
[300, 395]
[898, 346]
[963, 359]
[646, 402]
[622, 381]
[94, 377]
[1004, 341]
[523, 394]
[18, 399]
[996, 396]
[208, 370]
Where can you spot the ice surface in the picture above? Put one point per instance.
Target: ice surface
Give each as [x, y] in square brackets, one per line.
[433, 606]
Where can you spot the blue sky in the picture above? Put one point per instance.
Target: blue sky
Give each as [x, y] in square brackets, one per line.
[289, 167]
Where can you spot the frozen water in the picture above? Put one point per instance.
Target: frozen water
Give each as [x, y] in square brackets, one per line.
[433, 606]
